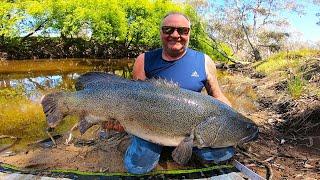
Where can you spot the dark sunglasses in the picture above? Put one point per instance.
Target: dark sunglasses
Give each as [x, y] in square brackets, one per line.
[180, 30]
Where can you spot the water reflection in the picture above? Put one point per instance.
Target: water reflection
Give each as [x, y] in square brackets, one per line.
[38, 77]
[23, 83]
[35, 87]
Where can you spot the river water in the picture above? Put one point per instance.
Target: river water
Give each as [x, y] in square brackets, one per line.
[36, 75]
[24, 82]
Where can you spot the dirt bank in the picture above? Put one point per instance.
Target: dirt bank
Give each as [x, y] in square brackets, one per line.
[289, 143]
[86, 154]
[91, 154]
[59, 48]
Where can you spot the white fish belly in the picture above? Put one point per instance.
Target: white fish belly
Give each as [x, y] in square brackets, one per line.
[158, 139]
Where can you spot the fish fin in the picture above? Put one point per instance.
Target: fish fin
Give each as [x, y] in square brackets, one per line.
[90, 79]
[163, 83]
[182, 153]
[50, 108]
[84, 125]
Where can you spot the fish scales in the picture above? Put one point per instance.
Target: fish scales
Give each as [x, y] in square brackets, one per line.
[144, 104]
[155, 110]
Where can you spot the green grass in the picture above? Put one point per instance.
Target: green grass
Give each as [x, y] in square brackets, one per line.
[296, 86]
[289, 66]
[284, 60]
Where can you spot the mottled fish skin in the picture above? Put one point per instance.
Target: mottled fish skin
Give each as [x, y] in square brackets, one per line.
[154, 110]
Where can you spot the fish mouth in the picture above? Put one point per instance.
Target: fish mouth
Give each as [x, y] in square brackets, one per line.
[252, 137]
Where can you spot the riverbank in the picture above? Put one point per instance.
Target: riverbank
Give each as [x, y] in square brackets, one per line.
[284, 102]
[59, 48]
[288, 109]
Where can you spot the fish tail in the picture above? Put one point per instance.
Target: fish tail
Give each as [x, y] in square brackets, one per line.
[52, 108]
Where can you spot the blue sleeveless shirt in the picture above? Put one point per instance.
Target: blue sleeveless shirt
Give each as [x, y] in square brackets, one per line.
[188, 71]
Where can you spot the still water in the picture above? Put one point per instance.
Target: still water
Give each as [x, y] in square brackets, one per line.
[34, 76]
[23, 83]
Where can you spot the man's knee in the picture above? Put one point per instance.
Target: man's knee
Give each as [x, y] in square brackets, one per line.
[141, 156]
[215, 154]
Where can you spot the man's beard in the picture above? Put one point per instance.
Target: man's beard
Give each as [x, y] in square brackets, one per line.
[176, 53]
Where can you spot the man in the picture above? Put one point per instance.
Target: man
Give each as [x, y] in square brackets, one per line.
[190, 70]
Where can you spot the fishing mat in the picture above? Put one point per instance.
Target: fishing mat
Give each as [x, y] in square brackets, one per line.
[205, 172]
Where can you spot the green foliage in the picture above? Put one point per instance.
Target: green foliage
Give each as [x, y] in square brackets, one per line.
[296, 86]
[293, 65]
[219, 52]
[9, 17]
[284, 60]
[134, 23]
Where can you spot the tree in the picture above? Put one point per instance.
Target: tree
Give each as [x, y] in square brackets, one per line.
[9, 17]
[245, 25]
[132, 25]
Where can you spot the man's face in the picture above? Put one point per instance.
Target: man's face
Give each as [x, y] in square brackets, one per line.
[175, 43]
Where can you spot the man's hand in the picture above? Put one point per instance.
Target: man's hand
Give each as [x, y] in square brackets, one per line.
[113, 125]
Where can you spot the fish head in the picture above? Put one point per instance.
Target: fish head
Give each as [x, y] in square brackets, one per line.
[220, 132]
[251, 133]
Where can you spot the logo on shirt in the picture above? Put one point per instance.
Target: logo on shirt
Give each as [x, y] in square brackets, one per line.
[194, 74]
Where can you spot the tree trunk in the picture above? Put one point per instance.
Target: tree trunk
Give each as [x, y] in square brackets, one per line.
[255, 51]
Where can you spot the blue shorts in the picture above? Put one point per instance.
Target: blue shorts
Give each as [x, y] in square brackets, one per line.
[143, 156]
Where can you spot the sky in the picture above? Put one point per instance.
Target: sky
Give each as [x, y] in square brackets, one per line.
[306, 24]
[302, 26]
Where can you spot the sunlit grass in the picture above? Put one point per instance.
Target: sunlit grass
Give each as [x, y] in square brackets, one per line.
[289, 65]
[284, 60]
[296, 87]
[312, 89]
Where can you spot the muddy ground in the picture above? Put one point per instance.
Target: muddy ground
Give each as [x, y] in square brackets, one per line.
[87, 153]
[277, 156]
[289, 142]
[284, 150]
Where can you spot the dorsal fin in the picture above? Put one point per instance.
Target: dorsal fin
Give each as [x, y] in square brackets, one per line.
[163, 83]
[90, 79]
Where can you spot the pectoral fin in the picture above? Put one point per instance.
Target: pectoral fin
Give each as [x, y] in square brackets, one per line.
[54, 113]
[182, 153]
[84, 125]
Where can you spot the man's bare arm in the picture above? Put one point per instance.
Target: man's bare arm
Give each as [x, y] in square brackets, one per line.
[138, 68]
[212, 85]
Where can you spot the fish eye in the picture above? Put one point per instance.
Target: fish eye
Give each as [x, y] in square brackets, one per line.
[250, 126]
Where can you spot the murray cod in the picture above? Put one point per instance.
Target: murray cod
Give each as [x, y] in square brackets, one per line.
[155, 110]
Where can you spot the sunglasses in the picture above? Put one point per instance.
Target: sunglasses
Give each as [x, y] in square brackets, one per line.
[181, 30]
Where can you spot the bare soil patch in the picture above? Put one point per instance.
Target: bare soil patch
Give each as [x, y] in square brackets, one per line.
[86, 155]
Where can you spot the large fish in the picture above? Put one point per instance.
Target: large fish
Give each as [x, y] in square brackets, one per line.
[155, 110]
